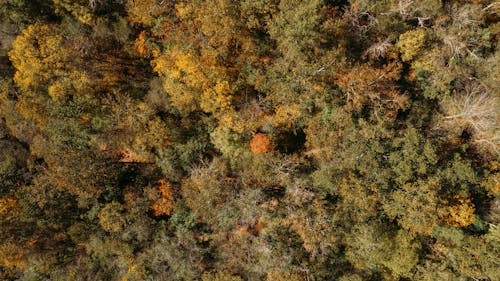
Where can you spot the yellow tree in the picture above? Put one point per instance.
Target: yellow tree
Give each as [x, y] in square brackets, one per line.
[36, 54]
[461, 213]
[410, 43]
[219, 276]
[203, 51]
[145, 12]
[187, 79]
[79, 9]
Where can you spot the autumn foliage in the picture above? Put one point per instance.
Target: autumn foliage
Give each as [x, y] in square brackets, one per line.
[220, 140]
[260, 143]
[164, 204]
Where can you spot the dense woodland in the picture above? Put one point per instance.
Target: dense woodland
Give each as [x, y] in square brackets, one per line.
[224, 140]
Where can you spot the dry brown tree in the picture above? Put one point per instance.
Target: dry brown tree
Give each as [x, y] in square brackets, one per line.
[473, 107]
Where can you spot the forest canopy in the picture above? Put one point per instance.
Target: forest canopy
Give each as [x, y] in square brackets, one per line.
[225, 140]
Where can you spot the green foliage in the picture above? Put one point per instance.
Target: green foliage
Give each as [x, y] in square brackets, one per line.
[368, 247]
[411, 159]
[416, 206]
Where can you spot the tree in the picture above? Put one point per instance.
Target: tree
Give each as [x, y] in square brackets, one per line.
[24, 12]
[473, 108]
[394, 254]
[8, 171]
[207, 187]
[404, 256]
[476, 259]
[313, 223]
[164, 204]
[461, 213]
[79, 9]
[260, 144]
[219, 276]
[111, 217]
[276, 275]
[368, 246]
[416, 207]
[29, 62]
[188, 83]
[412, 157]
[376, 87]
[410, 43]
[145, 12]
